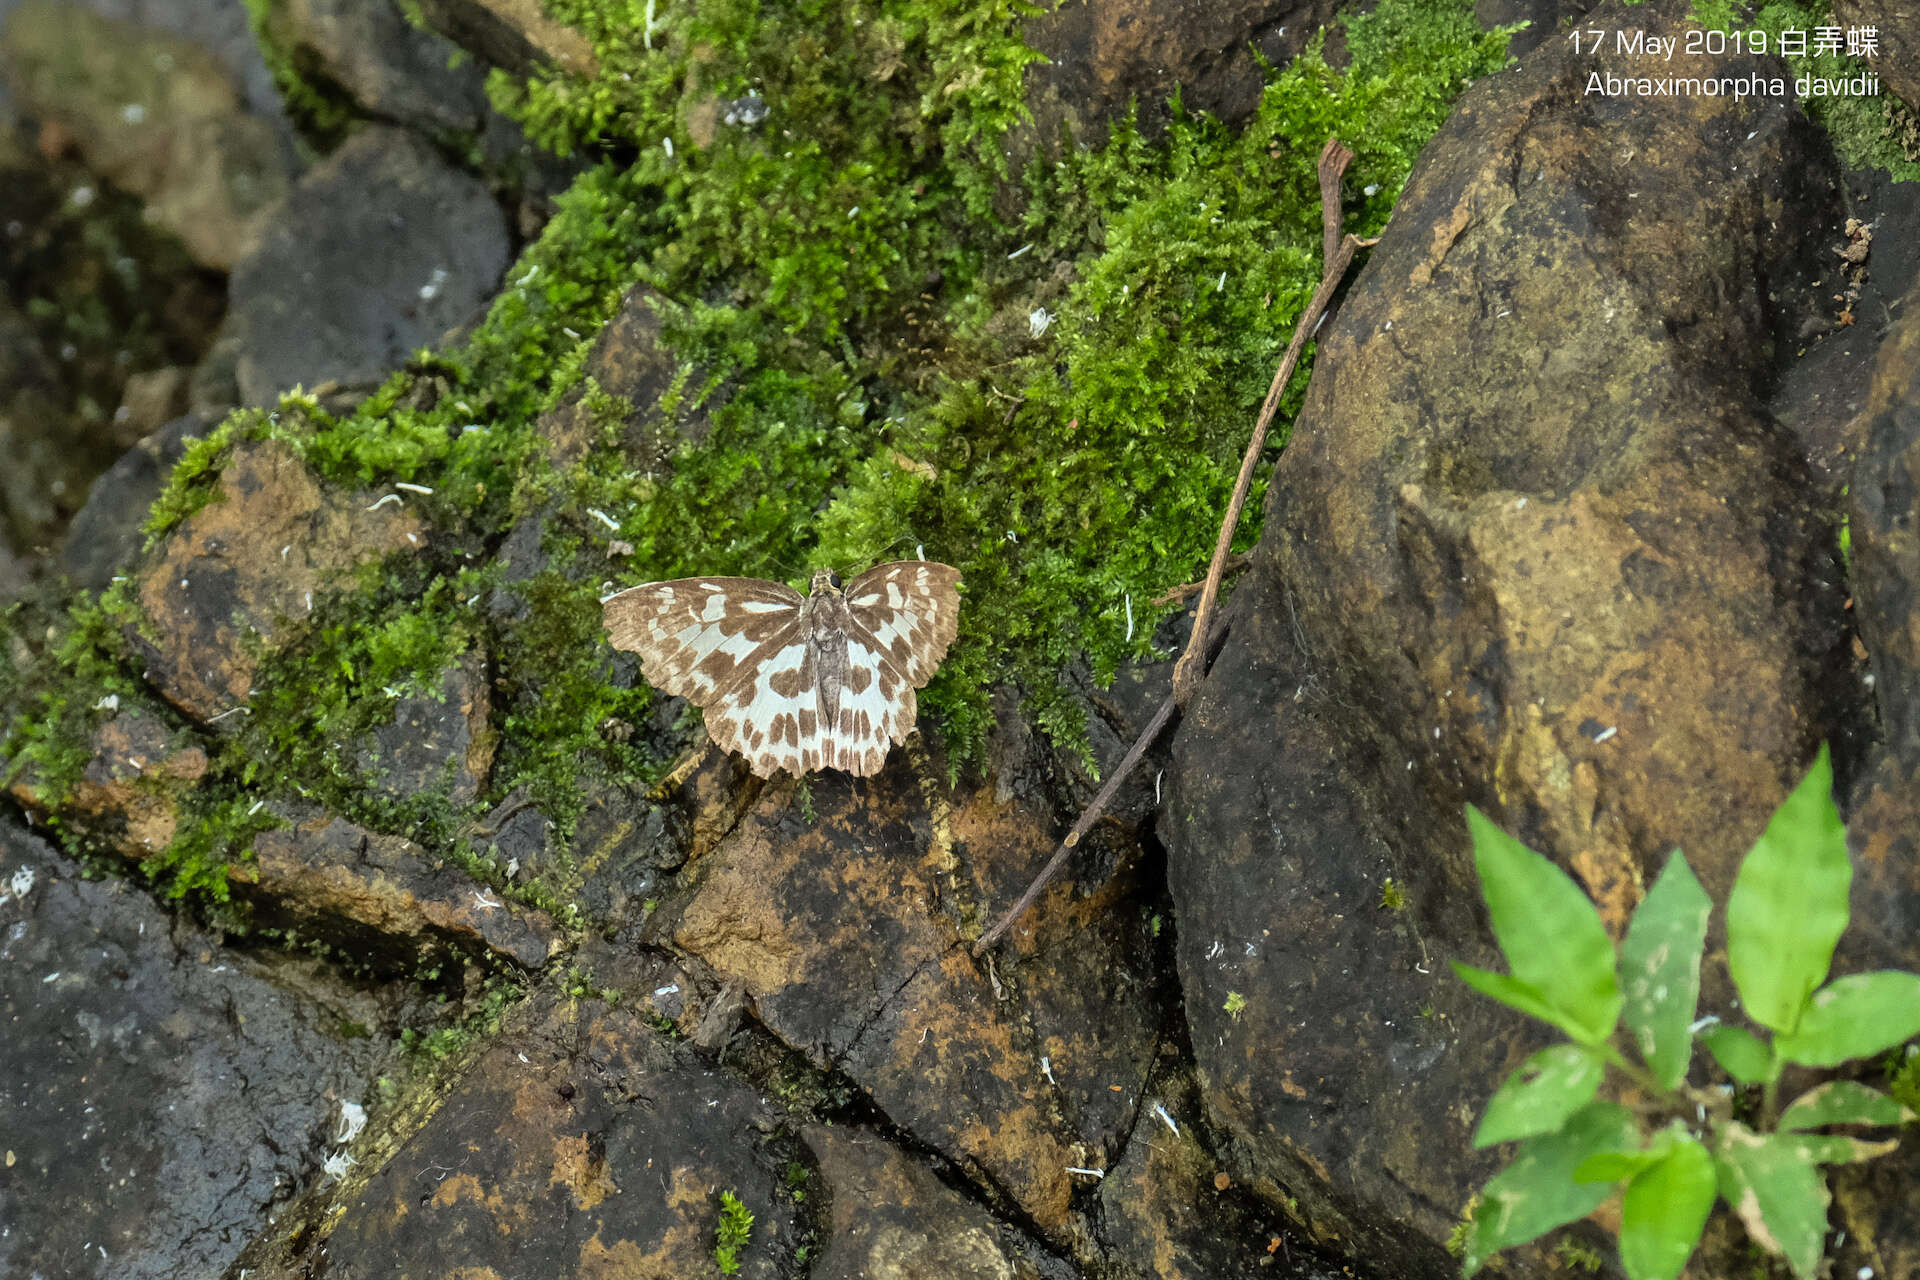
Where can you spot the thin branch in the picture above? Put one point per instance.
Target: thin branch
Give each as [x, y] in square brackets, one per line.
[1207, 633]
[1334, 159]
[1235, 563]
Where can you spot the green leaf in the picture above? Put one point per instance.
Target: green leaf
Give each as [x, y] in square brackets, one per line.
[1660, 969]
[1778, 1193]
[1835, 1148]
[1540, 1095]
[1841, 1102]
[1664, 1210]
[1549, 932]
[1741, 1054]
[1852, 1017]
[1615, 1166]
[1509, 991]
[1789, 903]
[1537, 1193]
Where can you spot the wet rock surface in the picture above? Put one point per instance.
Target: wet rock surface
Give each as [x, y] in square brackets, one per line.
[891, 1217]
[108, 532]
[130, 793]
[1896, 23]
[356, 274]
[511, 33]
[439, 743]
[579, 1142]
[382, 898]
[164, 1094]
[1537, 419]
[834, 931]
[248, 564]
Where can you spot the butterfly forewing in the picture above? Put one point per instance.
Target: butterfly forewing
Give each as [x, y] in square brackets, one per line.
[696, 635]
[792, 682]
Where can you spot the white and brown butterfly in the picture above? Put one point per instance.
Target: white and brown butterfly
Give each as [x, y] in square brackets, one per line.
[793, 682]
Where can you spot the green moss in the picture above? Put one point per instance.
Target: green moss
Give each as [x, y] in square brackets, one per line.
[1863, 131]
[54, 703]
[732, 1233]
[481, 1021]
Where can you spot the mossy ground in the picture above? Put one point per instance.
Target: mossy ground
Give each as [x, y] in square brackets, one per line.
[1054, 401]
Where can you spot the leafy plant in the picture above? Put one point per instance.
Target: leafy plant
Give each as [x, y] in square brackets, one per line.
[1680, 1146]
[736, 1224]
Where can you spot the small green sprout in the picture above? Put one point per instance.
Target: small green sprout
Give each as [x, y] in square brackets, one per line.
[736, 1224]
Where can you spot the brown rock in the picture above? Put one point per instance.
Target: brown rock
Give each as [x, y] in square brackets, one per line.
[154, 114]
[1104, 57]
[515, 34]
[1091, 972]
[130, 793]
[580, 1143]
[383, 898]
[1886, 547]
[628, 360]
[391, 68]
[1169, 1214]
[148, 402]
[1896, 23]
[1536, 544]
[1535, 521]
[894, 1219]
[832, 929]
[240, 574]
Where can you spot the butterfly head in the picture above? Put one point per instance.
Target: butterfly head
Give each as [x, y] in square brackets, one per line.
[825, 582]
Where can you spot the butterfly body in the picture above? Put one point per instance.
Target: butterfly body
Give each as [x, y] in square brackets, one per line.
[793, 682]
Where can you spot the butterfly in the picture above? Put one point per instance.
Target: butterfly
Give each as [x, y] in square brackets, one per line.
[793, 682]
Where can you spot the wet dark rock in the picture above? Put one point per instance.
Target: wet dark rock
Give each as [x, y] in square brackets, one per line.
[580, 1142]
[389, 67]
[625, 850]
[238, 576]
[1503, 576]
[1885, 578]
[162, 1093]
[383, 899]
[1536, 544]
[154, 114]
[1886, 544]
[381, 250]
[891, 1217]
[833, 929]
[439, 743]
[1107, 56]
[1091, 960]
[516, 34]
[1164, 1213]
[130, 794]
[107, 533]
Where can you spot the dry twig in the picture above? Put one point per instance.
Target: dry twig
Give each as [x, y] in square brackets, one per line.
[1204, 642]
